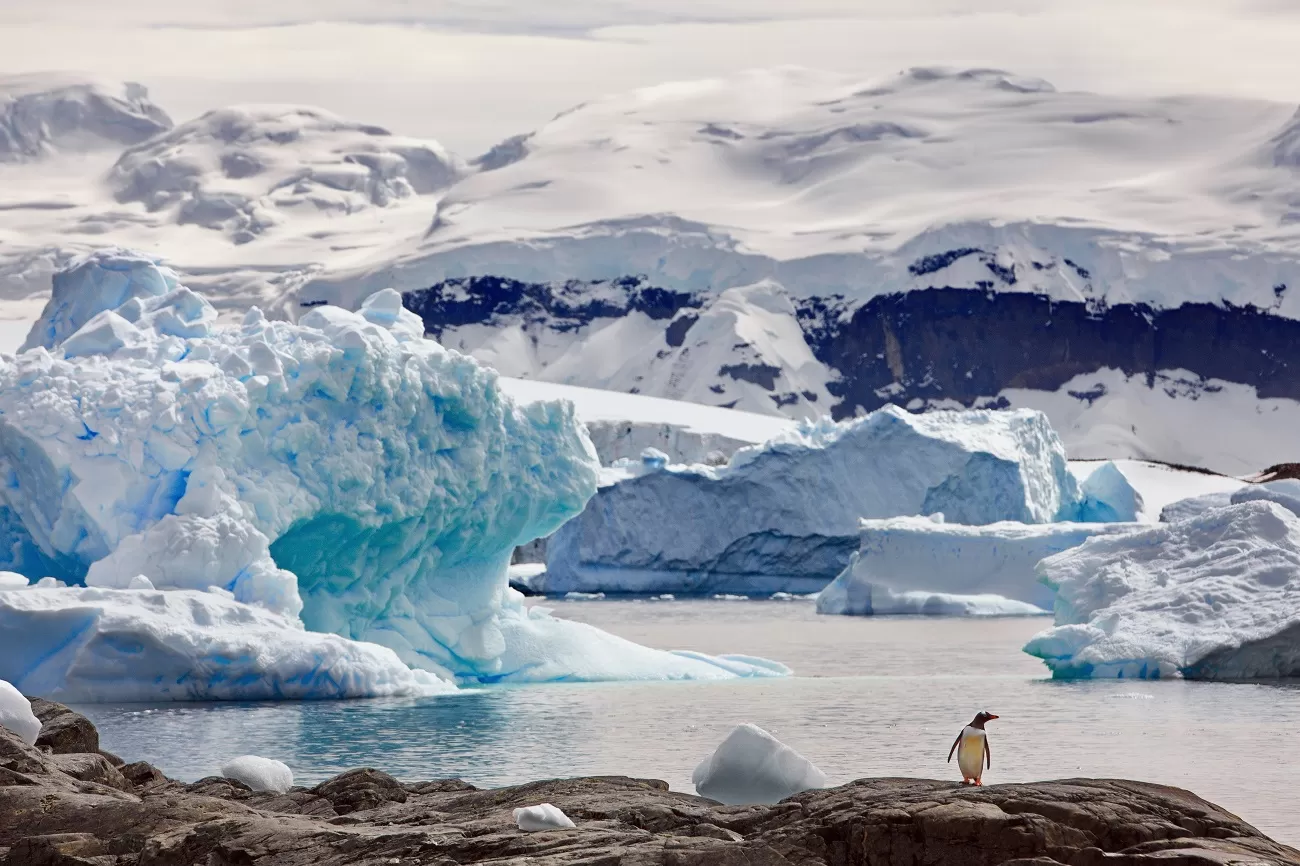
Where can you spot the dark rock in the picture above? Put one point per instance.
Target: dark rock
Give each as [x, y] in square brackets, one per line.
[67, 811]
[359, 790]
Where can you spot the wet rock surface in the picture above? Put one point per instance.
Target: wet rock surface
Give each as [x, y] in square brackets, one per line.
[78, 809]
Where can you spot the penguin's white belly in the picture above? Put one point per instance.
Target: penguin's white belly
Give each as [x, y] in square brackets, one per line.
[970, 753]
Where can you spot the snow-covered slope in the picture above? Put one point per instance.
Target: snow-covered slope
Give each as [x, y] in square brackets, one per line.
[243, 170]
[44, 114]
[622, 426]
[835, 186]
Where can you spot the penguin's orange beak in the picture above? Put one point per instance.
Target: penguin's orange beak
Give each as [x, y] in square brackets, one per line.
[992, 717]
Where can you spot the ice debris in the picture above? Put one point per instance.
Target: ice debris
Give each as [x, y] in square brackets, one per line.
[542, 817]
[260, 774]
[752, 766]
[1210, 597]
[783, 516]
[16, 714]
[926, 566]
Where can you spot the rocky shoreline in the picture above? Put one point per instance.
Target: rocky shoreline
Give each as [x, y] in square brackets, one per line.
[67, 803]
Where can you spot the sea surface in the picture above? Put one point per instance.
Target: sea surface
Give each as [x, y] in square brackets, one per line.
[880, 696]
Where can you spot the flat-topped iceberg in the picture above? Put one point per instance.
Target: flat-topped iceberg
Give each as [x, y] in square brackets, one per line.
[783, 516]
[921, 565]
[341, 469]
[1210, 597]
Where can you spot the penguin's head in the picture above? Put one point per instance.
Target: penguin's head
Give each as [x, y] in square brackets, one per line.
[981, 719]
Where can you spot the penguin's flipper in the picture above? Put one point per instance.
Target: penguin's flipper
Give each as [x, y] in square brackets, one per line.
[954, 748]
[988, 753]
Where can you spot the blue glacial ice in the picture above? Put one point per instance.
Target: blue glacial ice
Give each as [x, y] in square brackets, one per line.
[1209, 597]
[783, 516]
[341, 472]
[926, 566]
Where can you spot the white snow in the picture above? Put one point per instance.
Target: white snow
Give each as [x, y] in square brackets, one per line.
[10, 580]
[623, 425]
[1211, 597]
[784, 516]
[260, 774]
[16, 714]
[87, 644]
[919, 565]
[1177, 417]
[43, 114]
[544, 816]
[831, 185]
[1285, 492]
[752, 766]
[342, 467]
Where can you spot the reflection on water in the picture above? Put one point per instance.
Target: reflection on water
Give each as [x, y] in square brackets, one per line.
[871, 697]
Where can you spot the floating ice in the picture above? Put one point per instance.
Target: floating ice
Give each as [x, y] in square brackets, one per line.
[342, 467]
[10, 580]
[1210, 597]
[88, 644]
[16, 714]
[1193, 506]
[783, 517]
[260, 774]
[752, 766]
[542, 817]
[920, 565]
[1285, 493]
[1109, 497]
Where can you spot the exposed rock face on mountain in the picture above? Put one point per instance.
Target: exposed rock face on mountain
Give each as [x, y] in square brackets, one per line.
[977, 341]
[67, 808]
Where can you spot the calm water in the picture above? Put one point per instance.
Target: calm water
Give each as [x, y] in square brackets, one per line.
[872, 697]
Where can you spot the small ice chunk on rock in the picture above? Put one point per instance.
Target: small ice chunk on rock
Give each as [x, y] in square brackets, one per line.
[16, 714]
[753, 767]
[260, 774]
[542, 817]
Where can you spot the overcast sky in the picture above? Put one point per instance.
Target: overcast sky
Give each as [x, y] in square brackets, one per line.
[470, 72]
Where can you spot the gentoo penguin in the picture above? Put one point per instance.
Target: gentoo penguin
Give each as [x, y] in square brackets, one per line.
[972, 748]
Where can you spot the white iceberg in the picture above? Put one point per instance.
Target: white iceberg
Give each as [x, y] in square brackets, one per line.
[783, 516]
[1211, 597]
[260, 774]
[921, 565]
[16, 714]
[752, 766]
[90, 644]
[1285, 492]
[342, 469]
[530, 819]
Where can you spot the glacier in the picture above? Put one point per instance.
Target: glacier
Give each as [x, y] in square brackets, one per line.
[920, 565]
[783, 516]
[341, 473]
[1209, 597]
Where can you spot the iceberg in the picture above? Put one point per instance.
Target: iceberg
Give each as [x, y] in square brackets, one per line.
[90, 644]
[1210, 597]
[923, 565]
[260, 774]
[783, 516]
[340, 473]
[752, 766]
[1285, 492]
[16, 714]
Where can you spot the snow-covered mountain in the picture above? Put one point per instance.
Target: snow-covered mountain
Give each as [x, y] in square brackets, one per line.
[786, 242]
[44, 114]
